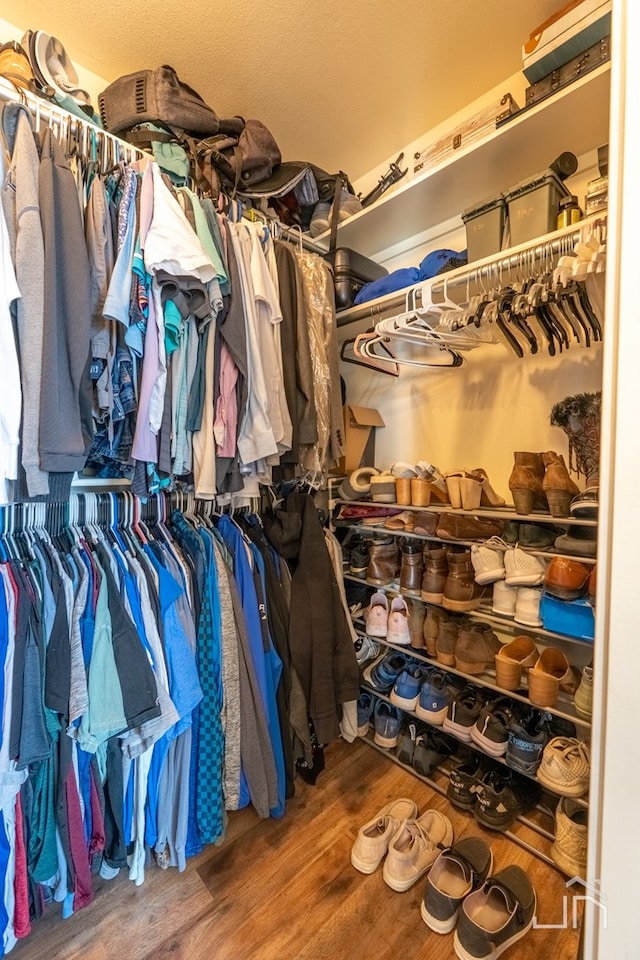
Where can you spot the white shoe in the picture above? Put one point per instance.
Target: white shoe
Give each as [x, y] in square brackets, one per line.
[523, 569]
[504, 599]
[488, 560]
[528, 606]
[398, 622]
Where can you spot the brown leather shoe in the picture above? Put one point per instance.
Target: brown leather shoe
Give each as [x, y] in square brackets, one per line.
[476, 648]
[435, 616]
[417, 615]
[461, 592]
[411, 568]
[446, 643]
[567, 579]
[525, 482]
[558, 486]
[435, 574]
[425, 523]
[384, 563]
[460, 526]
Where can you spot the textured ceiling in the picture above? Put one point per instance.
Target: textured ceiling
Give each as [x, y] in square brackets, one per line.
[343, 83]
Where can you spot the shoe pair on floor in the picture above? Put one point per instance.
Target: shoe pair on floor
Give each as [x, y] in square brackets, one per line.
[489, 912]
[407, 842]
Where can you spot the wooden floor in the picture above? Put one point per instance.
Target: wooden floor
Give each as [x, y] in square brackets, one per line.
[285, 889]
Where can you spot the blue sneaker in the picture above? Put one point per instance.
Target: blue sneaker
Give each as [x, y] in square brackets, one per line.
[406, 689]
[435, 697]
[366, 703]
[387, 721]
[383, 673]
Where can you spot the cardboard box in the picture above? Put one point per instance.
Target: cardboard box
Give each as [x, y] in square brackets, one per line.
[359, 437]
[565, 36]
[573, 617]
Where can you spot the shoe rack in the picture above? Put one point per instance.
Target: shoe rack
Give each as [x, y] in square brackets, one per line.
[534, 831]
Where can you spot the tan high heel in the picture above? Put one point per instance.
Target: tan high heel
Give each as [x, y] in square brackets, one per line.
[489, 496]
[453, 479]
[514, 657]
[471, 492]
[552, 673]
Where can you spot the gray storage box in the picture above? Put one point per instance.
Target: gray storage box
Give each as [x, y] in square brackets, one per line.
[484, 224]
[533, 206]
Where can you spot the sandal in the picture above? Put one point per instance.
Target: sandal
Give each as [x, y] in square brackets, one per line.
[402, 521]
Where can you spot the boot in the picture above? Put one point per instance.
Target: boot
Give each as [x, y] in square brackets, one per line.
[579, 417]
[435, 574]
[476, 648]
[417, 615]
[412, 568]
[384, 563]
[557, 484]
[461, 592]
[435, 616]
[525, 482]
[446, 643]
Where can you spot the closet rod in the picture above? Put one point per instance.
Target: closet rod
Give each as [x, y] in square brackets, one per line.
[470, 279]
[64, 119]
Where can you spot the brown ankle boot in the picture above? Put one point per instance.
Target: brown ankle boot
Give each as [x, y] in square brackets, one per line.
[417, 614]
[435, 616]
[476, 648]
[558, 486]
[461, 592]
[412, 568]
[525, 481]
[435, 574]
[384, 563]
[446, 643]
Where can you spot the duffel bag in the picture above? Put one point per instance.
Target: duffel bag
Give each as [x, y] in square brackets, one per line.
[152, 96]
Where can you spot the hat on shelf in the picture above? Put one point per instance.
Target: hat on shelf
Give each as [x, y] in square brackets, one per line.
[52, 66]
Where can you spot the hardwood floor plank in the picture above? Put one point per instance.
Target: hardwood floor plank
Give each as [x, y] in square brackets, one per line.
[286, 890]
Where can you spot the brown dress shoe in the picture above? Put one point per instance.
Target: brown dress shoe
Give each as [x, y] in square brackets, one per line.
[567, 579]
[435, 574]
[525, 482]
[476, 648]
[460, 526]
[384, 563]
[558, 486]
[461, 592]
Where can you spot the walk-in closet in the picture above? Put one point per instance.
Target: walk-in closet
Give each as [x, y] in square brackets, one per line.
[319, 336]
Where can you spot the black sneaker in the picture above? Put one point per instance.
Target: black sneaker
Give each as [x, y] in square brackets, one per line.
[491, 730]
[527, 740]
[406, 745]
[463, 712]
[432, 748]
[464, 781]
[359, 558]
[502, 796]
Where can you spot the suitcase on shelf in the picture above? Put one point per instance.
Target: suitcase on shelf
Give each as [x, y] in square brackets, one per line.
[475, 128]
[563, 76]
[351, 270]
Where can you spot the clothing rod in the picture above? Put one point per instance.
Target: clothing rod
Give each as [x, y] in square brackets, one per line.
[465, 281]
[66, 121]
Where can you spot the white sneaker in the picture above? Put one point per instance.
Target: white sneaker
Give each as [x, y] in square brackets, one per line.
[366, 650]
[398, 622]
[564, 767]
[414, 849]
[488, 560]
[377, 615]
[528, 606]
[523, 569]
[372, 842]
[504, 599]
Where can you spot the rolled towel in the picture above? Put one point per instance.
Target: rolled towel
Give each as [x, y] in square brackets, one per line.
[357, 485]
